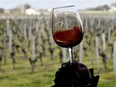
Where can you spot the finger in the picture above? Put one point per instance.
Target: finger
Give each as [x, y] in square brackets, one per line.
[95, 81]
[92, 72]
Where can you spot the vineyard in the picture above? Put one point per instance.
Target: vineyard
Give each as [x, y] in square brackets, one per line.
[29, 57]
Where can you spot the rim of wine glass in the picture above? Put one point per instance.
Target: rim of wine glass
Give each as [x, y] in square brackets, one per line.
[66, 7]
[59, 8]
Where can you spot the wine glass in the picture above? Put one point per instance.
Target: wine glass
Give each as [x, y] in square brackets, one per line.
[67, 28]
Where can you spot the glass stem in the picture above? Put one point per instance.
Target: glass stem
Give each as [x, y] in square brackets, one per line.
[70, 54]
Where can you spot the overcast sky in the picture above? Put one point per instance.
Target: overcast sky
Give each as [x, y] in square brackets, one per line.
[81, 4]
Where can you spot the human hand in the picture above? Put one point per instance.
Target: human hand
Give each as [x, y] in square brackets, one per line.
[75, 74]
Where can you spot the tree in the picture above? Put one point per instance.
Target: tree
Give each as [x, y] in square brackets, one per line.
[113, 4]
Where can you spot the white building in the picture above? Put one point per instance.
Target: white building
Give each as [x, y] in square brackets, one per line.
[32, 11]
[112, 9]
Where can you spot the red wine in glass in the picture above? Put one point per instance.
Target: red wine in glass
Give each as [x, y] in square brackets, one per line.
[68, 38]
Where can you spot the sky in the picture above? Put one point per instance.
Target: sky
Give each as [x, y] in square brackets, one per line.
[81, 4]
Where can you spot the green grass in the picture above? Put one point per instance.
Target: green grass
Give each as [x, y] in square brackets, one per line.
[107, 80]
[43, 76]
[22, 76]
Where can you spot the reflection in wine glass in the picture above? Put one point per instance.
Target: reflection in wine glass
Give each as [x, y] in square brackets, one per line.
[67, 28]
